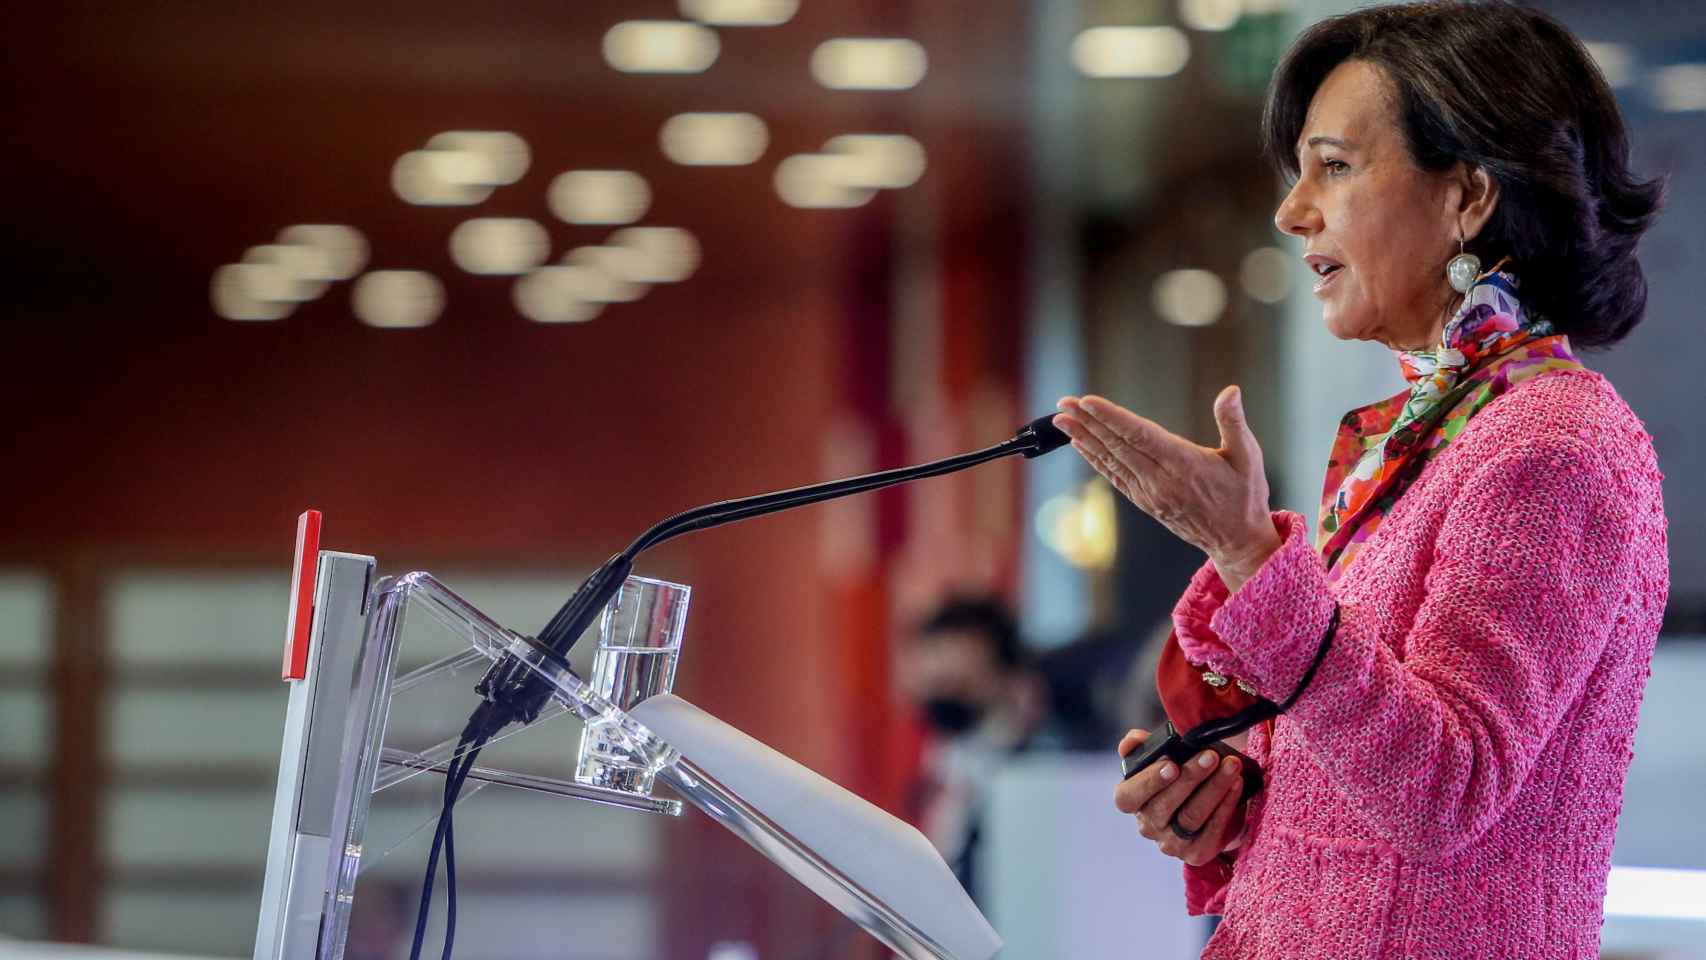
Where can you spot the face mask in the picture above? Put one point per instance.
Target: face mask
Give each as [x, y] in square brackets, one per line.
[952, 715]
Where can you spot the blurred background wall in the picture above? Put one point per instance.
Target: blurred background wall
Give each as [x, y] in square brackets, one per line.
[1063, 203]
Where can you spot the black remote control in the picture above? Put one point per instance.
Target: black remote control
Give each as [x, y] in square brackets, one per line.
[1170, 743]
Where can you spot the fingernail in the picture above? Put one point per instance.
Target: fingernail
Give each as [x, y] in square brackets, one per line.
[1168, 771]
[1230, 767]
[1206, 760]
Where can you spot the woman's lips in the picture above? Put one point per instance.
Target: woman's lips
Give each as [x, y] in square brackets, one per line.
[1324, 267]
[1327, 279]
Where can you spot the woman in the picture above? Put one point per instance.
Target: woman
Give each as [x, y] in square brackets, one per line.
[1468, 633]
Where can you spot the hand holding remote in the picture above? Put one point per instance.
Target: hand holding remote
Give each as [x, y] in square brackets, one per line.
[1193, 810]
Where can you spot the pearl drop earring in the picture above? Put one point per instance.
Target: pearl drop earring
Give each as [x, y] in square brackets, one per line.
[1463, 269]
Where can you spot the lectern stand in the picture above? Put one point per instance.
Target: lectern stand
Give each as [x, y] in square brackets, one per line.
[382, 676]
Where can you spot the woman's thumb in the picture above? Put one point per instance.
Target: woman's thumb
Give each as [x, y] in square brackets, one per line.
[1235, 436]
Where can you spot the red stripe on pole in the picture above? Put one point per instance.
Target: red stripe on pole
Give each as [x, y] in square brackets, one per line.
[302, 595]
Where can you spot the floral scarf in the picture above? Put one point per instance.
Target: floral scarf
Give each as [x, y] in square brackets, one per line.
[1489, 346]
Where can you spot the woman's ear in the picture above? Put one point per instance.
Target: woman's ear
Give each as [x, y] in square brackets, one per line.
[1478, 198]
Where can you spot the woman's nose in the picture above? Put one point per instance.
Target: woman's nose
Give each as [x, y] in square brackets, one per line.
[1296, 215]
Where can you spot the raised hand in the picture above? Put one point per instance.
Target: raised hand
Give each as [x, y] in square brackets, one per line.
[1214, 499]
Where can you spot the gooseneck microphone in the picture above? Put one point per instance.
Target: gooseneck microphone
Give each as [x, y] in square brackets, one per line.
[512, 692]
[517, 694]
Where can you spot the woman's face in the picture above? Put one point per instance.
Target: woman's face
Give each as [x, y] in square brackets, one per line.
[1377, 230]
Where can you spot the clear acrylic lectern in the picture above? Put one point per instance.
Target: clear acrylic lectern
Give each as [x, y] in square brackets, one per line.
[382, 680]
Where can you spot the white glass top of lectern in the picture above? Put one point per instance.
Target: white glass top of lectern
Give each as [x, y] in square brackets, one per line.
[425, 649]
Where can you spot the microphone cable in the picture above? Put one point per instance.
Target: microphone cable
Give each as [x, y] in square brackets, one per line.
[444, 839]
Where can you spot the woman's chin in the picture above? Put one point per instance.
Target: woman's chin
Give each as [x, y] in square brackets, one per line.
[1345, 326]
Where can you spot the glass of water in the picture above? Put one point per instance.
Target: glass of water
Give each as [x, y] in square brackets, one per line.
[639, 644]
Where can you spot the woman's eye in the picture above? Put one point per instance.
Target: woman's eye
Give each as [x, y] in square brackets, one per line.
[1335, 167]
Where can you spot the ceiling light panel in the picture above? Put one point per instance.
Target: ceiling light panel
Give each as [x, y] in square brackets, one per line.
[397, 299]
[714, 139]
[741, 13]
[599, 196]
[850, 63]
[661, 46]
[1130, 51]
[878, 160]
[499, 245]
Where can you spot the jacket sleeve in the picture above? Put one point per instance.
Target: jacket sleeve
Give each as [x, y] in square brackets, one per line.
[1517, 604]
[1205, 886]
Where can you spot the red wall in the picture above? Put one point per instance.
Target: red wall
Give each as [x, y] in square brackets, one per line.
[150, 143]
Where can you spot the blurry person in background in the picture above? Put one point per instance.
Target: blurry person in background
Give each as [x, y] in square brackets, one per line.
[1102, 684]
[966, 671]
[1459, 650]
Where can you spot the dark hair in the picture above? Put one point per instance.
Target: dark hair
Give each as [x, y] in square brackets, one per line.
[1510, 90]
[983, 615]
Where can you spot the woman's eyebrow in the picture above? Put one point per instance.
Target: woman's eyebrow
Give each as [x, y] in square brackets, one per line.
[1330, 141]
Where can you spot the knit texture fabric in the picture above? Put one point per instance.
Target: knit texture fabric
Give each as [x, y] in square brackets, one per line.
[1449, 783]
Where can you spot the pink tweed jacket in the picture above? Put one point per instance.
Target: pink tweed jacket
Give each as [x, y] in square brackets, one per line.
[1449, 784]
